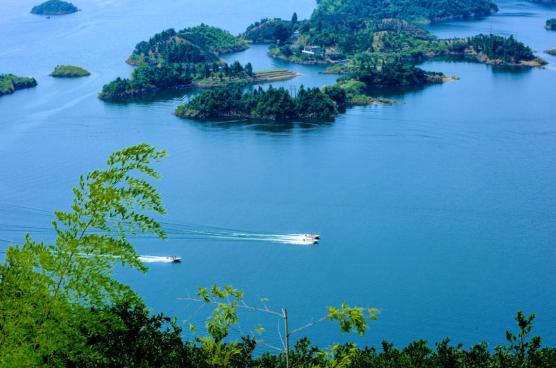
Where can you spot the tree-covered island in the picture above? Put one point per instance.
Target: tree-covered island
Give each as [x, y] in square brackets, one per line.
[550, 24]
[273, 104]
[10, 83]
[339, 30]
[69, 71]
[551, 52]
[54, 7]
[189, 58]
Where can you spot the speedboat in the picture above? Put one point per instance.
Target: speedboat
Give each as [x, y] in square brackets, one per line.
[312, 236]
[157, 259]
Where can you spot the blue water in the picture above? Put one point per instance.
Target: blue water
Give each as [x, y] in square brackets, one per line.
[438, 210]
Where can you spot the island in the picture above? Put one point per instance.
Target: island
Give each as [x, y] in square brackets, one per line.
[54, 7]
[551, 52]
[550, 24]
[69, 71]
[339, 31]
[494, 50]
[175, 60]
[276, 104]
[10, 83]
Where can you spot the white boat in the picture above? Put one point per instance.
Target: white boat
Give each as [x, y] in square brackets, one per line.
[156, 259]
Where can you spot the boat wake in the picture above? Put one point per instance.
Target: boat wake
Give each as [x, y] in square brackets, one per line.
[173, 231]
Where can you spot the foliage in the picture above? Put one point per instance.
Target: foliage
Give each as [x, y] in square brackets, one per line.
[54, 7]
[128, 336]
[351, 318]
[380, 73]
[147, 79]
[351, 11]
[69, 71]
[199, 44]
[550, 24]
[10, 83]
[505, 49]
[47, 290]
[271, 30]
[272, 104]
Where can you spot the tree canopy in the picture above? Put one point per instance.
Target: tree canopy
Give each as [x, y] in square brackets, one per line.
[10, 83]
[272, 104]
[54, 7]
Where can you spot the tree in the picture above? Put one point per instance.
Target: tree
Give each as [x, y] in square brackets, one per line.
[294, 18]
[249, 69]
[47, 290]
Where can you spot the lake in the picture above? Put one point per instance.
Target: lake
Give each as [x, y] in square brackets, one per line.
[439, 211]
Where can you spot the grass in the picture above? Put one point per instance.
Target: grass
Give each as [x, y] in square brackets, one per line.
[69, 71]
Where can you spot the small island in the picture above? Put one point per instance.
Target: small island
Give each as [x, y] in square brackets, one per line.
[69, 71]
[274, 104]
[551, 52]
[10, 83]
[54, 7]
[495, 50]
[550, 24]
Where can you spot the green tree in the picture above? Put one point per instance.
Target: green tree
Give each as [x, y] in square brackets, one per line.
[47, 290]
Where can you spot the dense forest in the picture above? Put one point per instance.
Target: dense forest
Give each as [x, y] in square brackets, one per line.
[550, 24]
[340, 30]
[273, 104]
[199, 44]
[353, 11]
[10, 83]
[60, 305]
[394, 73]
[495, 49]
[148, 79]
[188, 58]
[69, 71]
[54, 7]
[272, 30]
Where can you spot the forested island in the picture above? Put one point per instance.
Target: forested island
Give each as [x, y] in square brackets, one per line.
[189, 58]
[371, 44]
[10, 83]
[551, 52]
[273, 104]
[69, 71]
[550, 24]
[54, 7]
[339, 31]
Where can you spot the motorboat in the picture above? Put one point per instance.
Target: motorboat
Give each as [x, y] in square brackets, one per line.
[312, 236]
[156, 259]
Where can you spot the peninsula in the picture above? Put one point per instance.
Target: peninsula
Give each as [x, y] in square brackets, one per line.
[54, 7]
[10, 83]
[174, 60]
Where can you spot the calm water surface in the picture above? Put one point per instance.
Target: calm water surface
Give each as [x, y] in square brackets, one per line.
[438, 210]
